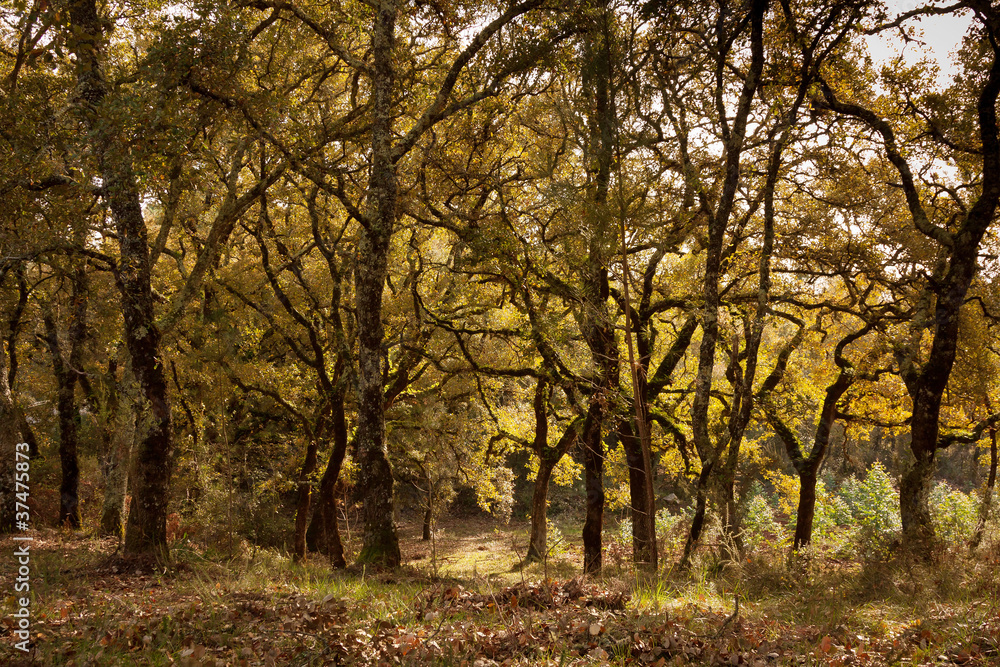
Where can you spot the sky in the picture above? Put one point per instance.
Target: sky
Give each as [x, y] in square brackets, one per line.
[942, 35]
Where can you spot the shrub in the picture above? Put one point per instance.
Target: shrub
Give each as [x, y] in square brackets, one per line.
[954, 513]
[759, 523]
[670, 529]
[625, 531]
[555, 541]
[849, 492]
[875, 509]
[832, 515]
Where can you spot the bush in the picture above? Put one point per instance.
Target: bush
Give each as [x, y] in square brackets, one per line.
[759, 523]
[875, 508]
[555, 541]
[850, 492]
[669, 532]
[832, 514]
[670, 529]
[954, 513]
[625, 532]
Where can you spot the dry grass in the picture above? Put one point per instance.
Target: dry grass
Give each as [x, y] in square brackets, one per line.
[464, 599]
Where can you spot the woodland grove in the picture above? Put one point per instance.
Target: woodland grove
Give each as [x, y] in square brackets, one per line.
[267, 262]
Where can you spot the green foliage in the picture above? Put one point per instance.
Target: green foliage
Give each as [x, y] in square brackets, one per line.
[760, 525]
[875, 507]
[625, 532]
[671, 530]
[556, 543]
[667, 523]
[833, 515]
[954, 513]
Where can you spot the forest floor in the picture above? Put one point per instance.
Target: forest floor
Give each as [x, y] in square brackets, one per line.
[462, 600]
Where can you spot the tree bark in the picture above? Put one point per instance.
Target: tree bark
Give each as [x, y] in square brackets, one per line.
[807, 465]
[8, 447]
[914, 505]
[428, 515]
[718, 221]
[548, 458]
[594, 318]
[987, 504]
[14, 326]
[67, 372]
[27, 433]
[593, 464]
[806, 510]
[380, 544]
[698, 520]
[638, 494]
[122, 425]
[69, 422]
[324, 531]
[116, 481]
[146, 530]
[302, 500]
[538, 543]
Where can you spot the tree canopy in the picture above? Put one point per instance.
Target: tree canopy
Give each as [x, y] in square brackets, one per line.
[376, 254]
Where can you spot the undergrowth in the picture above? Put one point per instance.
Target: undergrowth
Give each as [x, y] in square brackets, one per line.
[260, 608]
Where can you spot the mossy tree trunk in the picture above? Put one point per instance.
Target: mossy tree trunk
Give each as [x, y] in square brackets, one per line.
[380, 543]
[324, 531]
[146, 530]
[67, 370]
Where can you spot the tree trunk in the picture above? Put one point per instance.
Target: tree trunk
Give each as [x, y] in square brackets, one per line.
[122, 426]
[987, 504]
[914, 505]
[69, 420]
[67, 372]
[718, 221]
[428, 515]
[593, 465]
[381, 544]
[8, 448]
[638, 493]
[14, 326]
[27, 433]
[324, 531]
[594, 320]
[733, 528]
[949, 285]
[302, 500]
[538, 543]
[548, 458]
[806, 510]
[116, 482]
[644, 521]
[146, 531]
[698, 520]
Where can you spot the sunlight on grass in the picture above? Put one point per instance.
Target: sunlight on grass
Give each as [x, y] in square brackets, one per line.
[262, 604]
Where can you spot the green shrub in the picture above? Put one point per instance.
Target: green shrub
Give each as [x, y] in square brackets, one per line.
[875, 509]
[555, 541]
[954, 513]
[759, 523]
[832, 515]
[625, 531]
[668, 532]
[670, 529]
[849, 492]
